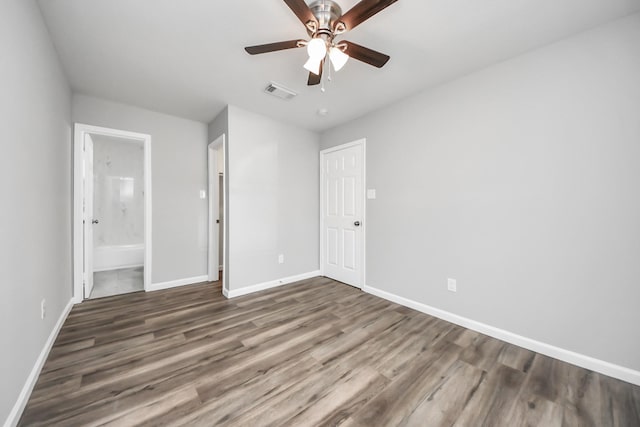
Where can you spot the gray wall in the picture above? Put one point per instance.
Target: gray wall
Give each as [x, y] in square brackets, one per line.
[179, 172]
[35, 184]
[219, 125]
[521, 181]
[273, 180]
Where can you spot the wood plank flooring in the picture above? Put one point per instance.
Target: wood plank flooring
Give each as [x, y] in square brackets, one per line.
[313, 353]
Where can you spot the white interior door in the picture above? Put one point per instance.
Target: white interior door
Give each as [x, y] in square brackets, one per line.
[342, 207]
[221, 220]
[88, 215]
[214, 219]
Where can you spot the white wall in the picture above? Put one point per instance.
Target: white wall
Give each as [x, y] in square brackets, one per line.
[35, 184]
[521, 181]
[179, 172]
[273, 181]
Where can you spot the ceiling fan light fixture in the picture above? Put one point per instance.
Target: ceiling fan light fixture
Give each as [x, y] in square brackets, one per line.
[317, 49]
[324, 20]
[338, 58]
[313, 65]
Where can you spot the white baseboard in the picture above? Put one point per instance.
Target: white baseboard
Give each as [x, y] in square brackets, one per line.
[25, 393]
[568, 356]
[271, 284]
[176, 283]
[225, 292]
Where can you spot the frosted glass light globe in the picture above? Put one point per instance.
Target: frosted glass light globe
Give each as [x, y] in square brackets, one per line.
[317, 49]
[313, 65]
[338, 58]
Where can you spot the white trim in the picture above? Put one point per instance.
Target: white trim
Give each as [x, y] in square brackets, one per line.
[148, 206]
[213, 234]
[25, 393]
[363, 142]
[175, 283]
[268, 285]
[79, 132]
[343, 146]
[587, 362]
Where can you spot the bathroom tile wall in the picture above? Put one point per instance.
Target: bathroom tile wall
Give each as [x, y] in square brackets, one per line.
[118, 200]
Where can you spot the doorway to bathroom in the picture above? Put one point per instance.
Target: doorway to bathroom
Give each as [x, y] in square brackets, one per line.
[217, 239]
[112, 212]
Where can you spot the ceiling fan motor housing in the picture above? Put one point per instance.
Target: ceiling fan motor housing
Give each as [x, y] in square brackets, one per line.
[327, 13]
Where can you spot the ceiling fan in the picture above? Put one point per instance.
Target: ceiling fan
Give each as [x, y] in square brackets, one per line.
[324, 21]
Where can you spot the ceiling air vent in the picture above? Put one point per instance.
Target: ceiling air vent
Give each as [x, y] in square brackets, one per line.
[280, 91]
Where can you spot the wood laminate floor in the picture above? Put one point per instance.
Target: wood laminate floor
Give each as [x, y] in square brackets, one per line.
[314, 353]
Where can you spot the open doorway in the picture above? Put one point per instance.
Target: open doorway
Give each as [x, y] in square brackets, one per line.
[216, 256]
[112, 212]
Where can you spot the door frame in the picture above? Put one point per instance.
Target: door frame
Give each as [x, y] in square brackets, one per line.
[80, 130]
[213, 243]
[360, 142]
[87, 229]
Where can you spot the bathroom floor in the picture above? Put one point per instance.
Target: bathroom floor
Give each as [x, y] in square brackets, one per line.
[116, 282]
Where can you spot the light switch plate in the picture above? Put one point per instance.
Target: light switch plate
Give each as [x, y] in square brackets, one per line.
[371, 193]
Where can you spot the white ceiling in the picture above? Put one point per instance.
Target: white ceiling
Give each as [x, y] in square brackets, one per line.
[186, 57]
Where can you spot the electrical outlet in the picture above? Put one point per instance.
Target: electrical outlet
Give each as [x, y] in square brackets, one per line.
[43, 308]
[281, 259]
[451, 285]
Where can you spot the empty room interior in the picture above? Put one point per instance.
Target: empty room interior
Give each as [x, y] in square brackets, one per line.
[320, 212]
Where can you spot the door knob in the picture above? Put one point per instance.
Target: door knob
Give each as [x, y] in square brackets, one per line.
[357, 223]
[95, 221]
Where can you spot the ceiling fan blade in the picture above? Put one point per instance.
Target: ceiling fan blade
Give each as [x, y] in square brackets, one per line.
[365, 54]
[302, 11]
[363, 11]
[272, 47]
[314, 79]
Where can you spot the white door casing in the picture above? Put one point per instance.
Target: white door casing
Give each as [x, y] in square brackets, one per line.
[81, 223]
[217, 203]
[342, 215]
[88, 215]
[214, 220]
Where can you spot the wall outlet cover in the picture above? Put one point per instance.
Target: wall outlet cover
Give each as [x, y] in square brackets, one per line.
[451, 285]
[281, 259]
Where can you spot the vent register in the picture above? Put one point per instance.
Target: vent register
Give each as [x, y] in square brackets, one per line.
[279, 91]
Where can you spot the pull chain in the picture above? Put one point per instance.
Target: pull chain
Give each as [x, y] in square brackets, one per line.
[324, 62]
